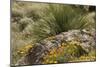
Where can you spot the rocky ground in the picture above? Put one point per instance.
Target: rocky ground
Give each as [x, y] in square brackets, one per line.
[85, 39]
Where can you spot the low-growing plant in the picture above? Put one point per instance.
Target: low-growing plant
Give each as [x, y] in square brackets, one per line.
[67, 52]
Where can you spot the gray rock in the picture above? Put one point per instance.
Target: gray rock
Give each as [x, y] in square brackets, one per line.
[35, 55]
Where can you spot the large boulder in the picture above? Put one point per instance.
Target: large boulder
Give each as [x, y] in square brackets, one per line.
[85, 38]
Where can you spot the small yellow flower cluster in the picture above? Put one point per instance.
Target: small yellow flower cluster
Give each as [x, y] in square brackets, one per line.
[20, 52]
[55, 53]
[91, 56]
[86, 58]
[60, 54]
[23, 50]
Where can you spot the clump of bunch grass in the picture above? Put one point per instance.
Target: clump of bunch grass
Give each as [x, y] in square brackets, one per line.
[60, 18]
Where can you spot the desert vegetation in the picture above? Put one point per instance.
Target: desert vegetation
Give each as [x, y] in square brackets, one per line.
[44, 24]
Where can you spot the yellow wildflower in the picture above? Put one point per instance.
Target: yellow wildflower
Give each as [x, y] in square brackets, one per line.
[55, 61]
[21, 52]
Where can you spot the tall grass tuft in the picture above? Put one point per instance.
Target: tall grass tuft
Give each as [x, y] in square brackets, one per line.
[60, 18]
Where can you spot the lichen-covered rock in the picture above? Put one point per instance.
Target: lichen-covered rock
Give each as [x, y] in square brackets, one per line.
[83, 38]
